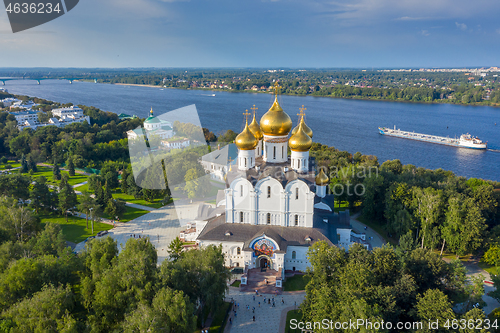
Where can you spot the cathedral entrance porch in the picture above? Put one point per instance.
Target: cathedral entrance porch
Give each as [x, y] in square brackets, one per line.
[264, 262]
[256, 280]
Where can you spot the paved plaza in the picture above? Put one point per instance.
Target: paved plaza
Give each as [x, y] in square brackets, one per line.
[160, 225]
[267, 317]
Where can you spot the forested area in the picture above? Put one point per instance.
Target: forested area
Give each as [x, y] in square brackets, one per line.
[45, 287]
[406, 284]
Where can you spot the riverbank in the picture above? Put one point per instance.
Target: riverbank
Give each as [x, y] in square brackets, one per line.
[357, 98]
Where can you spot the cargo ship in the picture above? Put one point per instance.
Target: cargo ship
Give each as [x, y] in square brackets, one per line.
[465, 140]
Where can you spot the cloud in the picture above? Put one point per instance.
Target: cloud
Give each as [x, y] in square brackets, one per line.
[409, 18]
[461, 26]
[425, 32]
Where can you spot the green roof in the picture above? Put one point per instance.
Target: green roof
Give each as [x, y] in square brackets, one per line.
[152, 120]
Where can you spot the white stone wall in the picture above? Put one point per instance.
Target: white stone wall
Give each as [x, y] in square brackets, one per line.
[300, 262]
[230, 250]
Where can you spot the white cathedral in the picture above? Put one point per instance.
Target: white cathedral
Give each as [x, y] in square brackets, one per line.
[274, 206]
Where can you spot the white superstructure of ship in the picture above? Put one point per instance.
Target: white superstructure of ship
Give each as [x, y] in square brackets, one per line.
[465, 140]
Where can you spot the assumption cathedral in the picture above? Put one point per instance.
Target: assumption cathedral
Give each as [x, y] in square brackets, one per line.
[274, 205]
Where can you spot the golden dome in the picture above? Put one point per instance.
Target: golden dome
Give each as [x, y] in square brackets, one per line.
[305, 127]
[255, 129]
[322, 179]
[300, 141]
[246, 140]
[276, 122]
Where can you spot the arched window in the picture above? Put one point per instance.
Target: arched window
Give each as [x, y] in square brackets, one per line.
[238, 251]
[241, 217]
[298, 164]
[241, 190]
[269, 191]
[245, 161]
[274, 150]
[237, 264]
[268, 218]
[282, 151]
[294, 255]
[296, 219]
[296, 193]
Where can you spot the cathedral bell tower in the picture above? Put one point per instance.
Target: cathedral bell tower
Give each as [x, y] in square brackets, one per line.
[246, 143]
[275, 125]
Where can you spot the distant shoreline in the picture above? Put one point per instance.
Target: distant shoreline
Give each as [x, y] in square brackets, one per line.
[312, 95]
[138, 85]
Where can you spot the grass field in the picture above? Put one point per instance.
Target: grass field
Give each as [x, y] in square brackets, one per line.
[293, 314]
[296, 282]
[130, 214]
[130, 198]
[75, 229]
[490, 269]
[12, 165]
[218, 319]
[236, 283]
[47, 173]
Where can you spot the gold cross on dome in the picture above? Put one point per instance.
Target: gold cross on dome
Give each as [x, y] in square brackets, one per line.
[253, 109]
[230, 160]
[246, 114]
[277, 88]
[302, 114]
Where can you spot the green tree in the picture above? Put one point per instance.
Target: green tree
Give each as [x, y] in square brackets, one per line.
[49, 241]
[175, 249]
[32, 164]
[24, 164]
[40, 196]
[70, 166]
[46, 311]
[123, 182]
[115, 208]
[170, 311]
[434, 305]
[428, 208]
[200, 274]
[56, 172]
[492, 256]
[67, 197]
[86, 204]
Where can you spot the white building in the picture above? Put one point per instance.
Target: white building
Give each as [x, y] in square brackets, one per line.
[217, 162]
[274, 207]
[29, 118]
[7, 102]
[153, 126]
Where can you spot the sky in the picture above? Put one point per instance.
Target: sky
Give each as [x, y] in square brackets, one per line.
[261, 33]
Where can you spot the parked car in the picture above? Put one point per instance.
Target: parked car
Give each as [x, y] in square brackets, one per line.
[91, 237]
[102, 233]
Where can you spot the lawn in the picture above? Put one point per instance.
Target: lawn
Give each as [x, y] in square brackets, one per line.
[12, 165]
[47, 173]
[131, 199]
[490, 269]
[236, 283]
[75, 229]
[296, 282]
[218, 319]
[293, 314]
[130, 214]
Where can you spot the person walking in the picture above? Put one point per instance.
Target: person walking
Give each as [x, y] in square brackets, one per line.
[259, 304]
[254, 297]
[253, 309]
[253, 318]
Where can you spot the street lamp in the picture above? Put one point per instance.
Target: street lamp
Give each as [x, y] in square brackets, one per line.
[91, 220]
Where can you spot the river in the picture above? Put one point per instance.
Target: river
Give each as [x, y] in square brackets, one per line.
[345, 124]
